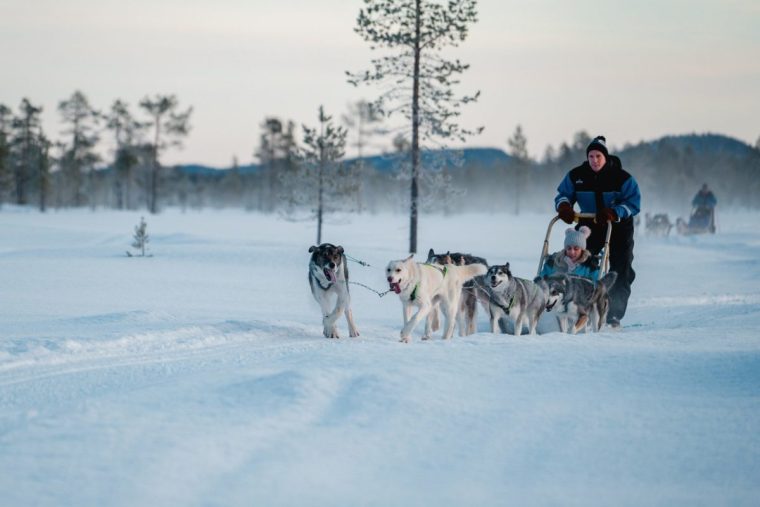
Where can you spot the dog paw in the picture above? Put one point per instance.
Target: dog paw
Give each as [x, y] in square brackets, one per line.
[354, 334]
[404, 339]
[426, 337]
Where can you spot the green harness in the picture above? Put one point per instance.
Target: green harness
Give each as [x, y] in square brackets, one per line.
[443, 271]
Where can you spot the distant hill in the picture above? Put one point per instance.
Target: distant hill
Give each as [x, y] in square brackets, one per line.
[696, 144]
[713, 145]
[484, 157]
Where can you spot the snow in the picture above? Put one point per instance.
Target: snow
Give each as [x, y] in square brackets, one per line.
[199, 376]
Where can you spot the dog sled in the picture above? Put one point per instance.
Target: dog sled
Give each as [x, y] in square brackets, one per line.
[701, 221]
[604, 254]
[584, 302]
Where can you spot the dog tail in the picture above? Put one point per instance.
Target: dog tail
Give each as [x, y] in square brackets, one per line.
[604, 285]
[608, 280]
[470, 271]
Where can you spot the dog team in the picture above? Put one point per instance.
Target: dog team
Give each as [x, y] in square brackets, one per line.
[568, 286]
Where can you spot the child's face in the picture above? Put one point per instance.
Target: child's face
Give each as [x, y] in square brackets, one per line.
[573, 252]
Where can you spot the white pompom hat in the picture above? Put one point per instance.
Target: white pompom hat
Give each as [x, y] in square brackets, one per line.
[577, 238]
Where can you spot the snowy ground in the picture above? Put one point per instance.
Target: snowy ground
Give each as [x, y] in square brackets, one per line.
[199, 376]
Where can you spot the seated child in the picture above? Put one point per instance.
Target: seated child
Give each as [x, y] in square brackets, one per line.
[574, 259]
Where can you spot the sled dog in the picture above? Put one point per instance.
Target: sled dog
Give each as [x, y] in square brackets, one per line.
[426, 285]
[576, 299]
[521, 301]
[658, 225]
[472, 290]
[328, 279]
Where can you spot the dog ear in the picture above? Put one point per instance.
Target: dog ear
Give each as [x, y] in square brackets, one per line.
[340, 250]
[312, 248]
[409, 258]
[431, 253]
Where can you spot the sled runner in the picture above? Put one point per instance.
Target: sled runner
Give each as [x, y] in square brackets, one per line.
[604, 254]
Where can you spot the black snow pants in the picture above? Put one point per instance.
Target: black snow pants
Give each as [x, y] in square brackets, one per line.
[621, 260]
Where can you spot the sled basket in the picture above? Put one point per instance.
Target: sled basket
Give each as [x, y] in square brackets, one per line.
[604, 265]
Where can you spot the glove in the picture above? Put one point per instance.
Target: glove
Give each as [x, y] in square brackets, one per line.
[566, 212]
[605, 215]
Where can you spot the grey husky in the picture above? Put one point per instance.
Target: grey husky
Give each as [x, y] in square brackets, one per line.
[521, 301]
[576, 299]
[328, 279]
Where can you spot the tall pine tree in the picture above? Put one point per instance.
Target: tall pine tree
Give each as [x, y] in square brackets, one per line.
[417, 79]
[169, 126]
[79, 158]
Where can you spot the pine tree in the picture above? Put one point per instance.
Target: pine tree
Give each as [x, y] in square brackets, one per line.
[169, 127]
[24, 149]
[518, 149]
[79, 159]
[127, 132]
[417, 79]
[6, 178]
[140, 238]
[277, 152]
[365, 120]
[43, 170]
[322, 182]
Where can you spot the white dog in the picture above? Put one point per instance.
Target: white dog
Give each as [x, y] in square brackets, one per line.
[426, 285]
[328, 279]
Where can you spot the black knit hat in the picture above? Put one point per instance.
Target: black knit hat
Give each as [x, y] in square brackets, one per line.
[599, 144]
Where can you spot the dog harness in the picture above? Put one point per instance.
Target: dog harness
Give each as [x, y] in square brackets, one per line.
[443, 271]
[508, 307]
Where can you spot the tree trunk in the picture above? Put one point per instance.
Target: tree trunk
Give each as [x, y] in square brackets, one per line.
[43, 178]
[320, 189]
[320, 203]
[154, 173]
[415, 133]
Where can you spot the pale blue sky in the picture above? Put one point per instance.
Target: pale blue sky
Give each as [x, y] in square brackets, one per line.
[629, 70]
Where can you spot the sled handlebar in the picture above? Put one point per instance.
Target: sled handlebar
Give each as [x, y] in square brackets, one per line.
[605, 259]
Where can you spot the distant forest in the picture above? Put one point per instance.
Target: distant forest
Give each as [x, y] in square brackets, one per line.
[73, 172]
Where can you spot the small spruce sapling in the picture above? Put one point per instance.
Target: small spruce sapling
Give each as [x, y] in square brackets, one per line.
[141, 237]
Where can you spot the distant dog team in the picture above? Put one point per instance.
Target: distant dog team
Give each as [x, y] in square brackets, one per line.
[453, 283]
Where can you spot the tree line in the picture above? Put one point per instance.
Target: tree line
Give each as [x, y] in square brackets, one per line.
[70, 172]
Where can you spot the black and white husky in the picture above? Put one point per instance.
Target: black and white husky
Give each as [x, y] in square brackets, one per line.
[328, 279]
[519, 300]
[426, 286]
[578, 300]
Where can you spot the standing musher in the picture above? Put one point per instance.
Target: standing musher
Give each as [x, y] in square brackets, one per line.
[601, 186]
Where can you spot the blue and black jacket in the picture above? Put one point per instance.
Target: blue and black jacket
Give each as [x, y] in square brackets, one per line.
[611, 187]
